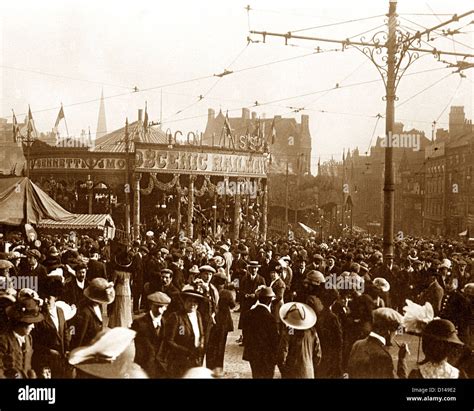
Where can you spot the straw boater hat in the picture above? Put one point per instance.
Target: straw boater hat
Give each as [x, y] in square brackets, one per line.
[253, 264]
[25, 310]
[297, 315]
[100, 291]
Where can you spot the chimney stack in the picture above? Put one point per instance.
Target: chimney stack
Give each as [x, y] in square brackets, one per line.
[254, 115]
[245, 114]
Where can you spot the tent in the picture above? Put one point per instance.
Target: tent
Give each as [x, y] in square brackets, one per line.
[23, 202]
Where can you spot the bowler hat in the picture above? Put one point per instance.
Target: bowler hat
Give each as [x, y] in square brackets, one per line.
[25, 310]
[159, 298]
[194, 269]
[220, 274]
[297, 315]
[263, 291]
[100, 291]
[442, 330]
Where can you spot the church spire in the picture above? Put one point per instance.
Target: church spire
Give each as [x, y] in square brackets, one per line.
[101, 122]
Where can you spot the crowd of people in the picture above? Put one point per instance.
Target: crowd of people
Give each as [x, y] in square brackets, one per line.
[306, 308]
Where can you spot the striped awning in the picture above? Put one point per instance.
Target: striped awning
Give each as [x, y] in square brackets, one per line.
[80, 221]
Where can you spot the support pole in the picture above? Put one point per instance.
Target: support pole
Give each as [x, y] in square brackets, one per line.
[191, 206]
[389, 183]
[265, 209]
[136, 206]
[237, 214]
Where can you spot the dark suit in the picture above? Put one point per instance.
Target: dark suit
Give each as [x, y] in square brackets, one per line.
[330, 336]
[15, 361]
[96, 269]
[178, 351]
[86, 326]
[51, 344]
[260, 342]
[370, 359]
[218, 333]
[434, 295]
[248, 286]
[147, 344]
[73, 294]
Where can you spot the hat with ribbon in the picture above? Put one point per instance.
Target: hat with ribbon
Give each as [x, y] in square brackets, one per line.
[298, 315]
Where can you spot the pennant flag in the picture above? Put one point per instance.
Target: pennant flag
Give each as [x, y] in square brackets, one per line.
[273, 131]
[60, 117]
[145, 119]
[16, 128]
[30, 126]
[228, 130]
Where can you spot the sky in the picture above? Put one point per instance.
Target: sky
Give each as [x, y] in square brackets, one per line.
[56, 52]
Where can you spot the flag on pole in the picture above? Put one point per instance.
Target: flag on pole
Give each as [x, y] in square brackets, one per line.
[145, 119]
[227, 127]
[16, 128]
[273, 130]
[30, 126]
[60, 117]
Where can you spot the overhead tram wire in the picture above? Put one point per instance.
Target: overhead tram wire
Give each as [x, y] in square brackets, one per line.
[450, 100]
[337, 24]
[203, 96]
[60, 76]
[425, 89]
[441, 34]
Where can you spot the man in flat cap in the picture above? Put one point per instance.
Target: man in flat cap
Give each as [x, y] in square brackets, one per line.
[149, 336]
[369, 358]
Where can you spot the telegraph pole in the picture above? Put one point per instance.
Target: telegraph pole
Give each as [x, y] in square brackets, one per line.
[398, 46]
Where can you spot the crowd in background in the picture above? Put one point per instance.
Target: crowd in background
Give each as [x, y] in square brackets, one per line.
[306, 308]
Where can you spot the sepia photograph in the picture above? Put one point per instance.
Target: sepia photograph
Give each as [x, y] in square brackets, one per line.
[237, 190]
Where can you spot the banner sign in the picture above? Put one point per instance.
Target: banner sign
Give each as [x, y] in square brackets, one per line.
[185, 162]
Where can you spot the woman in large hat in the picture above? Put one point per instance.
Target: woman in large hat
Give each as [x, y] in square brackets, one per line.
[300, 350]
[121, 310]
[88, 321]
[439, 342]
[16, 344]
[184, 335]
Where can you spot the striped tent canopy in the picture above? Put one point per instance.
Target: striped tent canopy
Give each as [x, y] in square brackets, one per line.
[80, 222]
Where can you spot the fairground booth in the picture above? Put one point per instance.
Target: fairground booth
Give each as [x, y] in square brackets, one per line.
[148, 179]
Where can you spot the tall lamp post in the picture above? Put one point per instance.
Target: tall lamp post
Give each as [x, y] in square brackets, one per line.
[90, 191]
[402, 49]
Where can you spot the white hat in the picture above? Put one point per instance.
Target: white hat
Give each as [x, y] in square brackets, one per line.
[445, 264]
[149, 233]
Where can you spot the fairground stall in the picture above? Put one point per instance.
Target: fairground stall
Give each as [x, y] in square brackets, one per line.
[148, 179]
